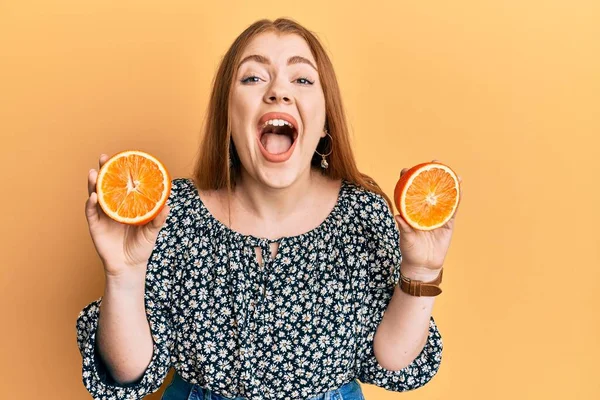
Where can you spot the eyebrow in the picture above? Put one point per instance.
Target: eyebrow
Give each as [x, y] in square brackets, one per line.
[264, 60]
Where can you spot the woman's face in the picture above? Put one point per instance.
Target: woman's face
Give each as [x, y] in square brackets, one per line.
[277, 109]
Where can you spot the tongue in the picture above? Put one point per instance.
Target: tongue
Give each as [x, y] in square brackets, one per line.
[276, 144]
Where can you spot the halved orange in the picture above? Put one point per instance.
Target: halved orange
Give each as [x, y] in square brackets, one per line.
[427, 195]
[133, 187]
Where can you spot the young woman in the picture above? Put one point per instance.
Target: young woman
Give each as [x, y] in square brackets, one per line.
[268, 274]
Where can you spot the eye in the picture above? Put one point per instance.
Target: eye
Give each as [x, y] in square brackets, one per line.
[305, 81]
[250, 79]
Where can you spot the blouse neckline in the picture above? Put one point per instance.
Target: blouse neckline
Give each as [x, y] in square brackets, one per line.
[256, 240]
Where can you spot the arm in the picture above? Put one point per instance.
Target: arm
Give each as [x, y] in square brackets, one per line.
[126, 337]
[404, 330]
[414, 358]
[124, 341]
[149, 368]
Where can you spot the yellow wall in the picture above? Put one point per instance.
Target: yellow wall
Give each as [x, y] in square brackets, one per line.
[506, 92]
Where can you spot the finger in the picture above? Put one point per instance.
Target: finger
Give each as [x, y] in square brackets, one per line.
[404, 227]
[92, 175]
[158, 222]
[460, 196]
[102, 160]
[403, 171]
[91, 209]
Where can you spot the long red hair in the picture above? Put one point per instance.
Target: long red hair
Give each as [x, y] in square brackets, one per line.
[218, 165]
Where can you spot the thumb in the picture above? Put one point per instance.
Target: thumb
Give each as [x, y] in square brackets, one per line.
[157, 223]
[91, 210]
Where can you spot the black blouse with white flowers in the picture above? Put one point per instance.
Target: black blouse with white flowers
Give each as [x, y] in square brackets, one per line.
[297, 325]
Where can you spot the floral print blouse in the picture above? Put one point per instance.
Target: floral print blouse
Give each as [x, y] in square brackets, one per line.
[297, 325]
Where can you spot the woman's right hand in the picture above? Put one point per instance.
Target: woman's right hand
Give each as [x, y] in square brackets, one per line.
[124, 249]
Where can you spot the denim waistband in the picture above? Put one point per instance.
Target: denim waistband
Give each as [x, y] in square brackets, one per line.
[179, 389]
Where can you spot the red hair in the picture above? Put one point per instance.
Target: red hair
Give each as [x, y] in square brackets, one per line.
[218, 165]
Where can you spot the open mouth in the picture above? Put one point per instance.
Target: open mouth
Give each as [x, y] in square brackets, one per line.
[277, 136]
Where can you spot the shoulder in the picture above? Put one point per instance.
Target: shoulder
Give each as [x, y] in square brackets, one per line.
[173, 237]
[180, 201]
[183, 191]
[371, 204]
[371, 211]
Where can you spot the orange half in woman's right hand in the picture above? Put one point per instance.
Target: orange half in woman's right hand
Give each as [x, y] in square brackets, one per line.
[133, 187]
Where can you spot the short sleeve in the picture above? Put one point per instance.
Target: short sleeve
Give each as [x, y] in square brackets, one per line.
[166, 255]
[383, 259]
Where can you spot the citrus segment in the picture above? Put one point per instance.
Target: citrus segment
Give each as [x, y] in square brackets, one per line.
[427, 195]
[133, 187]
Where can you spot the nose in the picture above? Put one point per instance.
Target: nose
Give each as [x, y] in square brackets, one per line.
[278, 93]
[285, 99]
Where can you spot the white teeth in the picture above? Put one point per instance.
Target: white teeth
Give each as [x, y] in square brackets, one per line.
[278, 122]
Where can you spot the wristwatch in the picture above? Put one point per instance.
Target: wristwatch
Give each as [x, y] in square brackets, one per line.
[419, 288]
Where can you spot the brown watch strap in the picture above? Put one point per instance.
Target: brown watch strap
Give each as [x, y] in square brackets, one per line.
[419, 288]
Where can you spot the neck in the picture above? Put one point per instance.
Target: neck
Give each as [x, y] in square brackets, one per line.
[272, 205]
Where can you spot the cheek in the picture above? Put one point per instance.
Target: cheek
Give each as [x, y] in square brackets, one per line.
[237, 130]
[312, 111]
[315, 103]
[237, 105]
[242, 113]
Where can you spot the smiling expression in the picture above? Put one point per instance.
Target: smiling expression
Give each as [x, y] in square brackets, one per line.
[277, 109]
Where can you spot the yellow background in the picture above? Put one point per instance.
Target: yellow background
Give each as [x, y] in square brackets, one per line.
[506, 92]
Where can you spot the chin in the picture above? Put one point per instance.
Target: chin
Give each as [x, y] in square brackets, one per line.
[278, 178]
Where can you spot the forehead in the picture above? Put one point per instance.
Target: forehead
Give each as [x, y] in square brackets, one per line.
[278, 47]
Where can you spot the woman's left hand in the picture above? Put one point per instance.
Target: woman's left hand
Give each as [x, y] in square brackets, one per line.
[423, 252]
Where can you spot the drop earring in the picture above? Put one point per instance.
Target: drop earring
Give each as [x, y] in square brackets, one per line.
[324, 163]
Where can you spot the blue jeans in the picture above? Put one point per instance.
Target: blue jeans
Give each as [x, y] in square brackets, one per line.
[179, 389]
